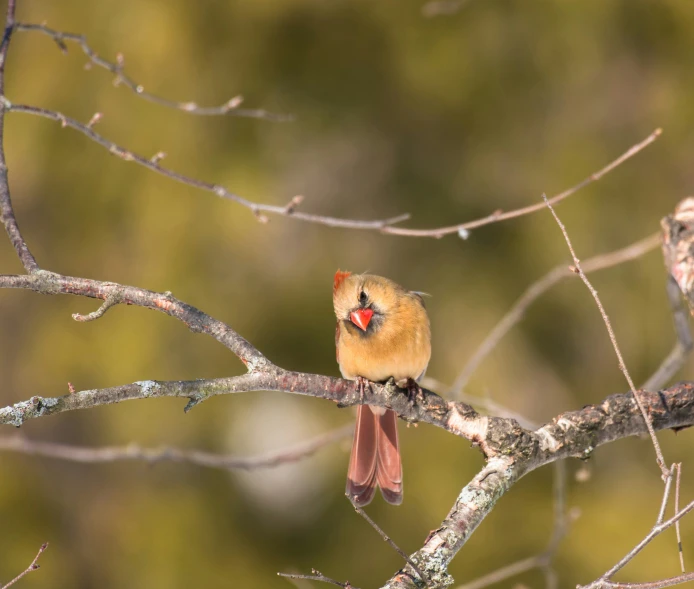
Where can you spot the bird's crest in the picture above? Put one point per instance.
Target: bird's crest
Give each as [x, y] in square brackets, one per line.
[339, 279]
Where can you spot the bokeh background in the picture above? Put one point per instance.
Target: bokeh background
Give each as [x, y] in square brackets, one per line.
[448, 118]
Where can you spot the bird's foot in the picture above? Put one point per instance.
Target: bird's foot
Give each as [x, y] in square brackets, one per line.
[413, 390]
[362, 384]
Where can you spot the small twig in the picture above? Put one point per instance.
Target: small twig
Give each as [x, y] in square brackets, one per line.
[666, 497]
[386, 226]
[111, 300]
[498, 216]
[318, 576]
[658, 528]
[153, 164]
[506, 572]
[677, 523]
[662, 584]
[32, 567]
[534, 291]
[387, 539]
[7, 216]
[154, 455]
[622, 366]
[230, 107]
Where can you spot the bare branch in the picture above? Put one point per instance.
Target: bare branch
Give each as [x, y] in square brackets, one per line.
[537, 289]
[622, 366]
[497, 216]
[46, 282]
[6, 211]
[517, 568]
[512, 451]
[34, 563]
[133, 452]
[111, 300]
[318, 576]
[230, 107]
[386, 226]
[652, 585]
[677, 523]
[388, 539]
[659, 528]
[515, 452]
[259, 210]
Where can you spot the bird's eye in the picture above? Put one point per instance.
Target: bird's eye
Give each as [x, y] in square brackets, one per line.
[363, 298]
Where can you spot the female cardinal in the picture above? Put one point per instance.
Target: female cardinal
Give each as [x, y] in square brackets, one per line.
[382, 332]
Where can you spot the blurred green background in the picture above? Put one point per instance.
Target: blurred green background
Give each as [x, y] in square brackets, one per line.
[448, 118]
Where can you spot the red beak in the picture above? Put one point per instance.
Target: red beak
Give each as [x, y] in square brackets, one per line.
[361, 318]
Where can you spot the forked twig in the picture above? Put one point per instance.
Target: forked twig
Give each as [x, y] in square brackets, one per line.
[230, 107]
[386, 226]
[622, 366]
[605, 582]
[537, 289]
[387, 538]
[32, 567]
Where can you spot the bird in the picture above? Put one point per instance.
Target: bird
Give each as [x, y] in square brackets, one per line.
[383, 332]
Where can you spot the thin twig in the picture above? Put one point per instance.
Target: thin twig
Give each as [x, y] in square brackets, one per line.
[497, 216]
[535, 290]
[657, 530]
[7, 215]
[666, 498]
[111, 300]
[134, 452]
[259, 210]
[677, 523]
[506, 572]
[622, 366]
[386, 226]
[230, 107]
[32, 567]
[318, 576]
[388, 539]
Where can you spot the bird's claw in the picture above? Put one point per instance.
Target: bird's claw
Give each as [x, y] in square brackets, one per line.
[413, 390]
[362, 384]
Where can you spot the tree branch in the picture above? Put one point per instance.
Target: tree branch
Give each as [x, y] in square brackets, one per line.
[622, 365]
[34, 563]
[230, 107]
[537, 289]
[385, 226]
[134, 452]
[515, 452]
[6, 211]
[46, 282]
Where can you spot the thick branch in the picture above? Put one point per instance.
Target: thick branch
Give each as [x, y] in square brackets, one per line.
[515, 452]
[50, 283]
